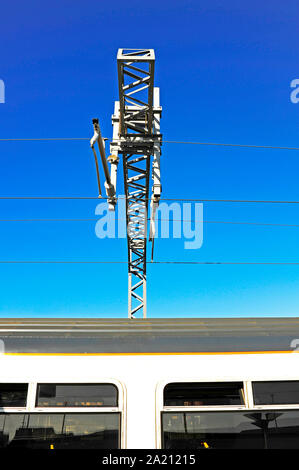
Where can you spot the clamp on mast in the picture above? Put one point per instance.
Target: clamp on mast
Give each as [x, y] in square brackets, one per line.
[136, 135]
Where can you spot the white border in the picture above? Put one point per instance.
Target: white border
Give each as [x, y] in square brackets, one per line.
[32, 394]
[248, 400]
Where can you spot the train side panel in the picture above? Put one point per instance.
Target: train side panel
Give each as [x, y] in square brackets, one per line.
[142, 377]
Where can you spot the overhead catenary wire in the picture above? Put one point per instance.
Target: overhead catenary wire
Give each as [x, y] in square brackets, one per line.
[163, 199]
[42, 139]
[179, 142]
[95, 219]
[265, 263]
[270, 147]
[249, 201]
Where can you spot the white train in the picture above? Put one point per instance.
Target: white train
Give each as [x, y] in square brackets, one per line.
[170, 384]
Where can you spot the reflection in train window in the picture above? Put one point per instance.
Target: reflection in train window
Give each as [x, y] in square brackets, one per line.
[276, 429]
[276, 393]
[60, 431]
[73, 395]
[204, 394]
[13, 395]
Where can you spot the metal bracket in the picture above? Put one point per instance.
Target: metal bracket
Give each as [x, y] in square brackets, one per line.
[110, 182]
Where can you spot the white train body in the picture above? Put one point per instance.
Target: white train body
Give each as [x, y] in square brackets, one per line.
[141, 377]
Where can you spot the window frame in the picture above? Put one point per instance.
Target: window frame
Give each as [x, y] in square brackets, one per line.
[162, 385]
[205, 407]
[291, 406]
[248, 400]
[202, 412]
[28, 413]
[113, 408]
[33, 409]
[4, 409]
[160, 407]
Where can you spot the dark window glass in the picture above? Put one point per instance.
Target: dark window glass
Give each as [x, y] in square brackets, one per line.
[60, 431]
[276, 393]
[275, 429]
[203, 394]
[13, 395]
[59, 395]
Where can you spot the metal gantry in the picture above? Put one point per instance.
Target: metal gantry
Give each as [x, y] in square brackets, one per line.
[136, 136]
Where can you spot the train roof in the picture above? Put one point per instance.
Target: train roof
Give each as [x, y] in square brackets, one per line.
[163, 335]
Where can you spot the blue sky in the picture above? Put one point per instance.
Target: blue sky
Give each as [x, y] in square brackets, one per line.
[224, 69]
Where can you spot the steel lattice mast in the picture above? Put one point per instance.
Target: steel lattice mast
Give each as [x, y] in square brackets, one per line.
[136, 135]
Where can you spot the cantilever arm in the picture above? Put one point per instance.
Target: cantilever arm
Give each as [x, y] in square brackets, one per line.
[110, 188]
[97, 170]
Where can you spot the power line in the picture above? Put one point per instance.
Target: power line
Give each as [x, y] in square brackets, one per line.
[153, 262]
[218, 144]
[59, 262]
[248, 223]
[249, 201]
[43, 139]
[227, 262]
[272, 147]
[95, 219]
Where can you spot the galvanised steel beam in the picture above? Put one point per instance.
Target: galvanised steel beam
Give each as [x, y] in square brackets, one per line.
[136, 89]
[136, 142]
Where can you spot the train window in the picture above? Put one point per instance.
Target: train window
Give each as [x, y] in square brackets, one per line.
[73, 395]
[277, 429]
[13, 395]
[276, 393]
[60, 431]
[204, 394]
